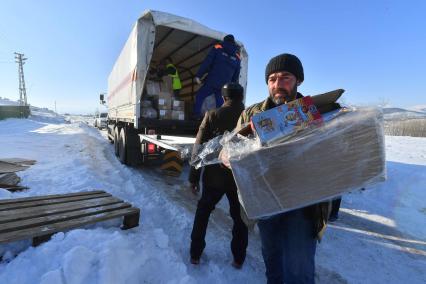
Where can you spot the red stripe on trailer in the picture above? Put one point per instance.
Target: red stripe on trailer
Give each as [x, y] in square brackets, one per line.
[130, 78]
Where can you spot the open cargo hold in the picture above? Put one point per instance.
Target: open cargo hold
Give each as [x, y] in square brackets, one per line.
[155, 37]
[140, 101]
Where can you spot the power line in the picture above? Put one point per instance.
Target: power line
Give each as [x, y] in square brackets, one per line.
[20, 59]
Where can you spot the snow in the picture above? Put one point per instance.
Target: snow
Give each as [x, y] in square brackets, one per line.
[380, 236]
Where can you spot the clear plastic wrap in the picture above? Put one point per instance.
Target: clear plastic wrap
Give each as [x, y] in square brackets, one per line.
[318, 163]
[149, 112]
[152, 88]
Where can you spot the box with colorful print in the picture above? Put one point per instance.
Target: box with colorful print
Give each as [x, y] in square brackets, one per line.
[278, 122]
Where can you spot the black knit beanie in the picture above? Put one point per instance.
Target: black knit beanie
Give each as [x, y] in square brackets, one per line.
[229, 38]
[233, 90]
[285, 62]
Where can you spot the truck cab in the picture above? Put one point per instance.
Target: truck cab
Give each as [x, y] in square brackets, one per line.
[101, 120]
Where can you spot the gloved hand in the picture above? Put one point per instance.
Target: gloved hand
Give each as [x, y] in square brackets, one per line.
[197, 80]
[195, 188]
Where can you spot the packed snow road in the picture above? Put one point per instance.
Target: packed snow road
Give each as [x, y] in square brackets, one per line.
[380, 236]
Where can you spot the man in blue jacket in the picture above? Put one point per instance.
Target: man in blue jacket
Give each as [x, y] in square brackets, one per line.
[222, 65]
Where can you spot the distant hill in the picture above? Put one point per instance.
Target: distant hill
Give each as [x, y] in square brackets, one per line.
[418, 108]
[393, 113]
[7, 102]
[34, 109]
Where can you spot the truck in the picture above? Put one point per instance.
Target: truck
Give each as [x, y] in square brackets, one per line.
[141, 111]
[100, 120]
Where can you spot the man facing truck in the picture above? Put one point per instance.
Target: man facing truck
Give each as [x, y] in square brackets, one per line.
[218, 180]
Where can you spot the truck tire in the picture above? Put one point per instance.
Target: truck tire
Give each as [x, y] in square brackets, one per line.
[109, 134]
[116, 138]
[122, 145]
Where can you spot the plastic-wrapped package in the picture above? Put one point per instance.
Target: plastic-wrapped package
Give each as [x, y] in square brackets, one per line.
[149, 112]
[345, 153]
[146, 103]
[152, 88]
[236, 145]
[230, 142]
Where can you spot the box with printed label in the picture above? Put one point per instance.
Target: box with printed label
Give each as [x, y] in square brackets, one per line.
[164, 101]
[178, 115]
[152, 88]
[278, 122]
[166, 84]
[164, 114]
[178, 105]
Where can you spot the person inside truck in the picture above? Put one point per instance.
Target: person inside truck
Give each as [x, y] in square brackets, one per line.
[218, 180]
[172, 71]
[222, 65]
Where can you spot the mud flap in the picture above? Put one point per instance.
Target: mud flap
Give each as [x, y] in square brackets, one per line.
[172, 163]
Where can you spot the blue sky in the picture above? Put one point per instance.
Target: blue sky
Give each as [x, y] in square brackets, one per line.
[375, 50]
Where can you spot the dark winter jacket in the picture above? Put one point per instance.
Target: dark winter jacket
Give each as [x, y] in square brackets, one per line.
[318, 212]
[222, 65]
[215, 123]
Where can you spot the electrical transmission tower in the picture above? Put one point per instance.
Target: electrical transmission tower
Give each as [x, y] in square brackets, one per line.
[20, 59]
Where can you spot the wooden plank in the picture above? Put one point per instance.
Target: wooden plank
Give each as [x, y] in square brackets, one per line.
[6, 167]
[39, 211]
[9, 179]
[71, 224]
[19, 161]
[53, 196]
[60, 217]
[13, 188]
[51, 201]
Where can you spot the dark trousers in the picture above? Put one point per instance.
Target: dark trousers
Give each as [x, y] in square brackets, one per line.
[209, 198]
[202, 94]
[288, 248]
[335, 206]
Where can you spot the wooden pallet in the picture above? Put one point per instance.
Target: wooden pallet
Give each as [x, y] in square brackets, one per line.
[41, 216]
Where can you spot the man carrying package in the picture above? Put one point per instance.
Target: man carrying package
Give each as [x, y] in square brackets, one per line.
[288, 239]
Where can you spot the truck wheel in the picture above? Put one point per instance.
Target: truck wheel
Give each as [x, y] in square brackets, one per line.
[116, 138]
[108, 129]
[122, 146]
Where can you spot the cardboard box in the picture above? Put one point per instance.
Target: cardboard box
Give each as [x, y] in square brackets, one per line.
[344, 154]
[278, 122]
[164, 101]
[178, 115]
[164, 114]
[178, 105]
[152, 88]
[166, 84]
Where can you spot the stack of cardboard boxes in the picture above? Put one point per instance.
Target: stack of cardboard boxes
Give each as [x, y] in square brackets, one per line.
[167, 106]
[178, 110]
[164, 105]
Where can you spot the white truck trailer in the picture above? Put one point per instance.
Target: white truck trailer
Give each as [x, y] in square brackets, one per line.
[135, 91]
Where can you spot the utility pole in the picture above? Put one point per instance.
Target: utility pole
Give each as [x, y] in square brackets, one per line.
[20, 59]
